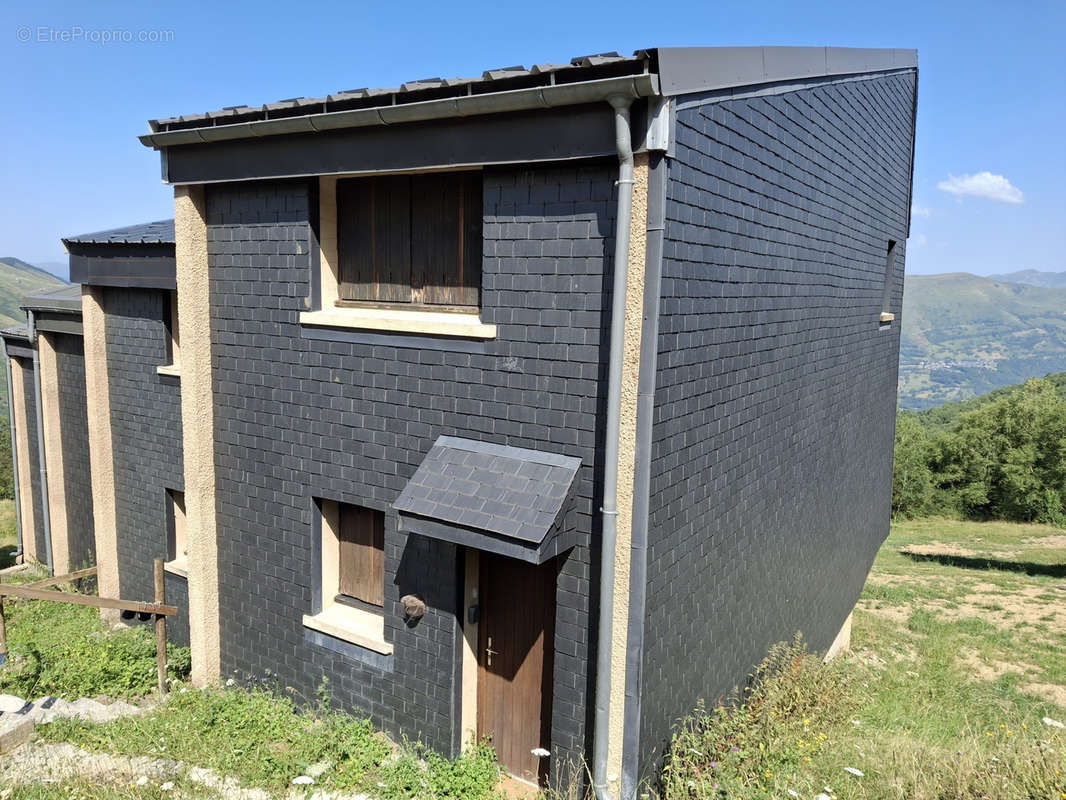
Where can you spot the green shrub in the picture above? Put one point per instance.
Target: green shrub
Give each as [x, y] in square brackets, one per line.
[737, 748]
[1005, 459]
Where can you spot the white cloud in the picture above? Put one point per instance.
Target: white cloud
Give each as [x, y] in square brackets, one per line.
[921, 211]
[983, 184]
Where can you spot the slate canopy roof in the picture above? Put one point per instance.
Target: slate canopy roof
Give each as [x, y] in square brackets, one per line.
[507, 500]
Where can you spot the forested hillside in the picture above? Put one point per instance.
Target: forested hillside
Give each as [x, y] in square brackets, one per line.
[1000, 456]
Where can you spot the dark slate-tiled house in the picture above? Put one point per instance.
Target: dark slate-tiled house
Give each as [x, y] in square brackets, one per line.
[536, 405]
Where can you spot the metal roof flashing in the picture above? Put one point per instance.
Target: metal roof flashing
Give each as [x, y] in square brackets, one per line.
[686, 70]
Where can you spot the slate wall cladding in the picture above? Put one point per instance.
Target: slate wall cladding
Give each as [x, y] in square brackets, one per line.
[74, 435]
[775, 400]
[146, 435]
[35, 458]
[298, 418]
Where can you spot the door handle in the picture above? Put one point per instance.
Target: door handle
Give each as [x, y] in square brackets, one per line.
[489, 653]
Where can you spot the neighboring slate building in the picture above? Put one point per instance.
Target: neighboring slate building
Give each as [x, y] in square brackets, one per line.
[535, 406]
[46, 382]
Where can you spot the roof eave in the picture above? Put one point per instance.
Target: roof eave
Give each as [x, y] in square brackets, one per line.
[634, 86]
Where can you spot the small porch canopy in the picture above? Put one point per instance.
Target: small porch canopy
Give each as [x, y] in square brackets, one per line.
[505, 500]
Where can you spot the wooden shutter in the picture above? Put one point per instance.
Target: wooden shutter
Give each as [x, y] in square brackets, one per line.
[374, 239]
[410, 239]
[362, 554]
[446, 238]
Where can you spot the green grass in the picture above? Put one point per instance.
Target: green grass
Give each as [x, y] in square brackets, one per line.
[83, 789]
[951, 671]
[8, 534]
[67, 651]
[265, 741]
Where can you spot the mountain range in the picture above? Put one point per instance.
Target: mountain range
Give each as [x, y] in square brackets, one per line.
[965, 335]
[1033, 277]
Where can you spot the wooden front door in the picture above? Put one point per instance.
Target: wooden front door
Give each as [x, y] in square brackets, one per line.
[515, 648]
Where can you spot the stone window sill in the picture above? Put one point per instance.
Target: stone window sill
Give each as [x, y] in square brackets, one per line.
[362, 628]
[426, 323]
[171, 370]
[179, 567]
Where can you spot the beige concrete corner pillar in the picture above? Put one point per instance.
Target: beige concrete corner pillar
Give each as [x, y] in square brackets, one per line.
[842, 643]
[51, 428]
[22, 453]
[101, 451]
[627, 464]
[198, 429]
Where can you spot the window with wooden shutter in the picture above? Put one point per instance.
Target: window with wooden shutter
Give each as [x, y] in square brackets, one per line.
[410, 239]
[362, 555]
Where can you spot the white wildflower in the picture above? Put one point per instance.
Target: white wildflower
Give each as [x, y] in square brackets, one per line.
[166, 787]
[303, 780]
[823, 796]
[142, 781]
[1053, 723]
[792, 793]
[858, 773]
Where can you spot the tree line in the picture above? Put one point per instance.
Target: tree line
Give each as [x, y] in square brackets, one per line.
[1000, 456]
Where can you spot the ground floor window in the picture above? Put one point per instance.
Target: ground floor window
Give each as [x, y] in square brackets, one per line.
[351, 577]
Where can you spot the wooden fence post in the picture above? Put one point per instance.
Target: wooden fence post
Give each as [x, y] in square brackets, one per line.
[160, 628]
[3, 634]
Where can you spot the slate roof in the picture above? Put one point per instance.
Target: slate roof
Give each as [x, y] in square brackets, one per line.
[160, 232]
[508, 491]
[17, 331]
[68, 299]
[580, 68]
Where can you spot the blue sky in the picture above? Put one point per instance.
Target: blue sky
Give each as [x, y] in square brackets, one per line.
[990, 165]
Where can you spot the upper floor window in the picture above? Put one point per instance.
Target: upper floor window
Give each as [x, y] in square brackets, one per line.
[173, 335]
[410, 240]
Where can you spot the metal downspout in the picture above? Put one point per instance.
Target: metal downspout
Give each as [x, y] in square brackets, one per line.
[609, 511]
[14, 454]
[638, 580]
[45, 517]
